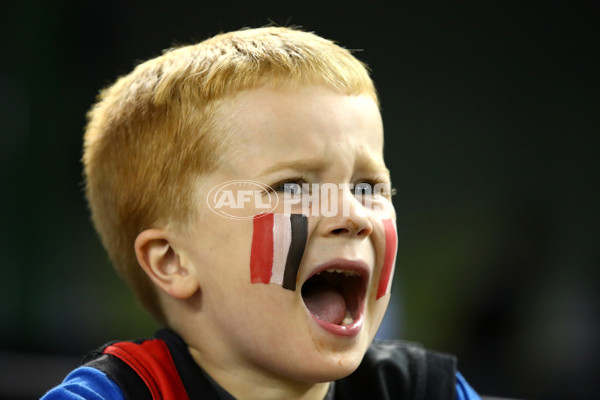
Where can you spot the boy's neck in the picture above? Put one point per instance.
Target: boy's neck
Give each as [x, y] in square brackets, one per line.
[249, 384]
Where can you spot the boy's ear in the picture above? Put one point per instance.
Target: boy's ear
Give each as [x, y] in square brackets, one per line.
[163, 264]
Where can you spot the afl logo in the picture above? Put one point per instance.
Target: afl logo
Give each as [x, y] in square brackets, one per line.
[241, 199]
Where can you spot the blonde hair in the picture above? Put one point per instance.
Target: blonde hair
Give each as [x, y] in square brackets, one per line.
[153, 133]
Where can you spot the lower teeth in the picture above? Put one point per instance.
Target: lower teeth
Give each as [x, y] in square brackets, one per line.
[347, 319]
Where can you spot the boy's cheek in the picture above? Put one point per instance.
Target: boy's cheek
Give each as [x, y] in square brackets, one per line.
[382, 209]
[278, 244]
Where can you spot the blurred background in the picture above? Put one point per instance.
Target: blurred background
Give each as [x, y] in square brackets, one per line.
[491, 113]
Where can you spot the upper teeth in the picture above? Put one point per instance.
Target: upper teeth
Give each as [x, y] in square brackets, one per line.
[346, 272]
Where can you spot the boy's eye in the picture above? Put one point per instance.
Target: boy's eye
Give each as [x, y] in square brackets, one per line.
[363, 188]
[375, 188]
[293, 186]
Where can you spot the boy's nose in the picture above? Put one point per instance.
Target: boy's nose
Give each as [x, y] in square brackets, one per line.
[351, 219]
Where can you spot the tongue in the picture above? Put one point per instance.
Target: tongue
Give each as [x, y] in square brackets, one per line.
[327, 304]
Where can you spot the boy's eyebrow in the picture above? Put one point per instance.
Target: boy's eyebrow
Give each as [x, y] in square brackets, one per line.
[368, 164]
[373, 166]
[304, 164]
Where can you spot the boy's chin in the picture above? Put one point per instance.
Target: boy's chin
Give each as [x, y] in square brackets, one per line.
[331, 368]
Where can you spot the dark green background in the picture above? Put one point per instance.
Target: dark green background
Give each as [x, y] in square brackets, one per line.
[491, 114]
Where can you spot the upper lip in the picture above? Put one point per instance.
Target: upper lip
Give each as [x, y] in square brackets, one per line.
[357, 266]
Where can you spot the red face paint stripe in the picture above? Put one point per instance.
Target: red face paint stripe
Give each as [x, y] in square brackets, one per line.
[391, 243]
[261, 254]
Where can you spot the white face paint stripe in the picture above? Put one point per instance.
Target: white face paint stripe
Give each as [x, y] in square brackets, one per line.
[282, 238]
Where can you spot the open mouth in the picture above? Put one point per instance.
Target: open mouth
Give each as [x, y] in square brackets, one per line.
[335, 297]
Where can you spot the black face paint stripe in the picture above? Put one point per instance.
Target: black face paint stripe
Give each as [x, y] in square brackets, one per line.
[299, 225]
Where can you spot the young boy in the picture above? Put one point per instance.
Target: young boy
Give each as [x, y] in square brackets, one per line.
[240, 189]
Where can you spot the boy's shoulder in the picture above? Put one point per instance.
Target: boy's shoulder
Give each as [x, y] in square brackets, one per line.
[389, 370]
[158, 367]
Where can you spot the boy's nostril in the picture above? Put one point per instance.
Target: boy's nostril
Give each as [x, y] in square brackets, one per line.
[364, 232]
[339, 231]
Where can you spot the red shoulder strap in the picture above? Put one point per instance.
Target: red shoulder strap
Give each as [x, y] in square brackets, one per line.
[152, 361]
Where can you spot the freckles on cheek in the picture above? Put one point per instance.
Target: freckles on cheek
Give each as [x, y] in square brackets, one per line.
[278, 243]
[389, 260]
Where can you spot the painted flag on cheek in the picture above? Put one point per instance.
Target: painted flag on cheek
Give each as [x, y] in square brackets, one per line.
[278, 244]
[389, 260]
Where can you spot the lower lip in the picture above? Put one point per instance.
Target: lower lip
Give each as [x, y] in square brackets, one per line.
[341, 330]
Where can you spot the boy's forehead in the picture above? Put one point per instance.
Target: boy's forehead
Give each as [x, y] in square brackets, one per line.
[265, 120]
[265, 104]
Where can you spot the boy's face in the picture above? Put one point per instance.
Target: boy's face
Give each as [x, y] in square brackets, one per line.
[309, 135]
